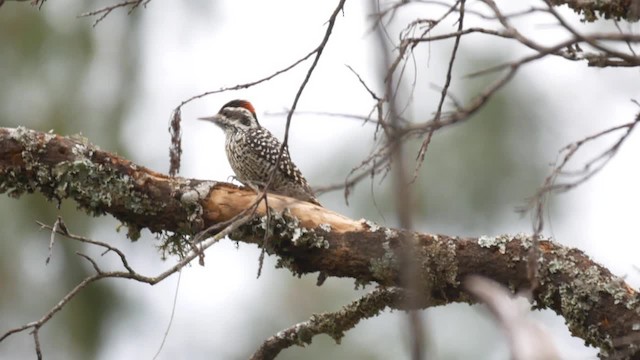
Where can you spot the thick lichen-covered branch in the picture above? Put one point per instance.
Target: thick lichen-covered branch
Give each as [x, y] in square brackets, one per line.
[100, 182]
[592, 10]
[597, 306]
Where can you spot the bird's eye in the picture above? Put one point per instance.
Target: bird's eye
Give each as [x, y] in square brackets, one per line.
[245, 121]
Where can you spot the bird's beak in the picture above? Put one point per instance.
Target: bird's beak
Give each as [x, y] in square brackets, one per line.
[214, 119]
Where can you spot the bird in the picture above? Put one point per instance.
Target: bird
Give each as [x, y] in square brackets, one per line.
[253, 151]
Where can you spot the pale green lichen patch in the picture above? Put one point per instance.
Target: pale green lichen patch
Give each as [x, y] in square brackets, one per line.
[592, 10]
[501, 241]
[525, 240]
[83, 148]
[196, 194]
[29, 140]
[191, 199]
[386, 267]
[555, 266]
[16, 182]
[94, 186]
[494, 241]
[287, 226]
[373, 227]
[582, 290]
[390, 234]
[618, 289]
[440, 263]
[284, 229]
[82, 140]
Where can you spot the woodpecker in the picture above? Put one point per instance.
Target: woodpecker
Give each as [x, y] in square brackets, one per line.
[253, 151]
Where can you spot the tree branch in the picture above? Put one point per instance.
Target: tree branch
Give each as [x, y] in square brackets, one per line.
[334, 324]
[592, 10]
[597, 306]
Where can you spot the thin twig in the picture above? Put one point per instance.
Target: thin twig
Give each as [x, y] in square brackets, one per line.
[171, 317]
[100, 274]
[445, 91]
[102, 13]
[550, 185]
[334, 324]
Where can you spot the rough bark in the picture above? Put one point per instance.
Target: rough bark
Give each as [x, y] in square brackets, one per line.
[592, 10]
[597, 306]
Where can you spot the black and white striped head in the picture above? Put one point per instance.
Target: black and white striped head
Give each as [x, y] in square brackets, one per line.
[236, 115]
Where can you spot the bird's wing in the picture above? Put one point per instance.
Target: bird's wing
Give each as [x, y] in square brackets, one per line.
[267, 147]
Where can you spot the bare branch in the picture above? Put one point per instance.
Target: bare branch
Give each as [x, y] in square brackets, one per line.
[103, 12]
[100, 274]
[445, 91]
[576, 178]
[334, 324]
[318, 52]
[420, 31]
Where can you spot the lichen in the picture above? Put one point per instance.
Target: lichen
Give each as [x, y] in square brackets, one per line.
[555, 266]
[288, 227]
[373, 227]
[386, 267]
[284, 230]
[617, 289]
[191, 200]
[582, 291]
[95, 187]
[595, 9]
[494, 241]
[172, 243]
[390, 234]
[440, 263]
[525, 240]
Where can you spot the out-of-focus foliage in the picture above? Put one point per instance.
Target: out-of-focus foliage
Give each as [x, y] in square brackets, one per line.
[58, 73]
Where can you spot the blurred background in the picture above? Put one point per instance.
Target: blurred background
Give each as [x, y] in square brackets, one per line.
[118, 82]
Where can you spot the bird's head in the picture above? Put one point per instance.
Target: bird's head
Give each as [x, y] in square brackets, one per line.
[236, 115]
